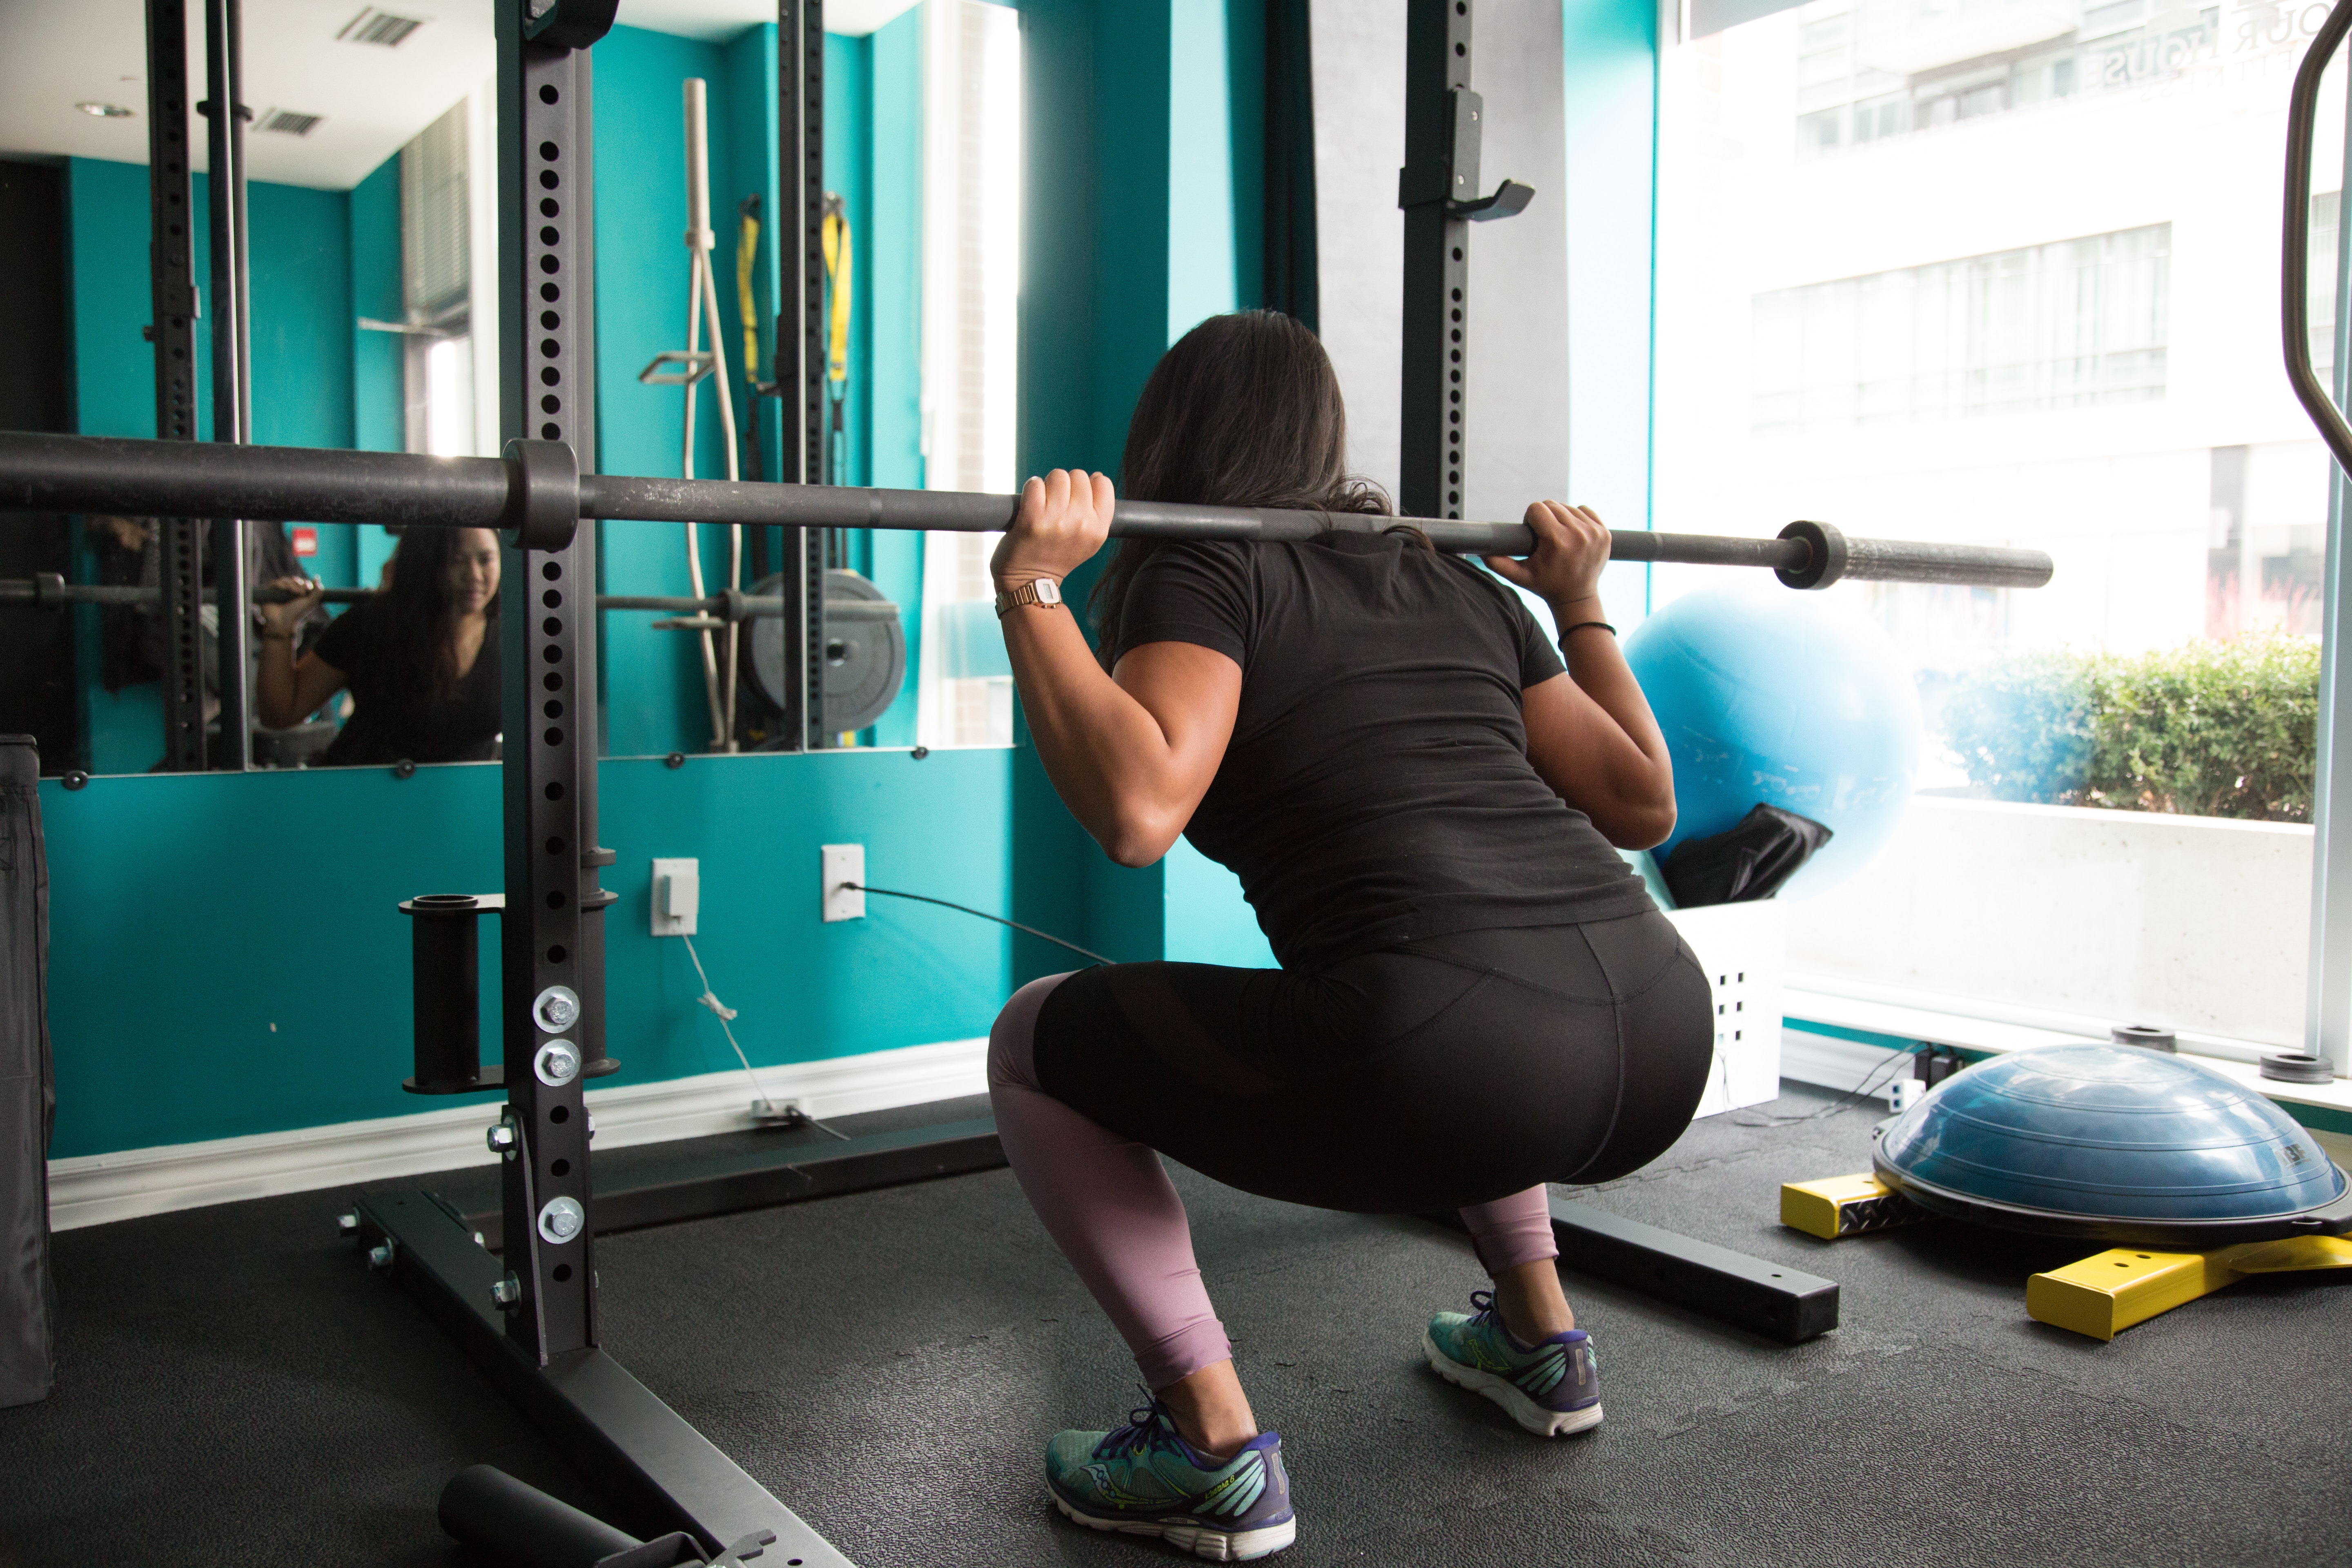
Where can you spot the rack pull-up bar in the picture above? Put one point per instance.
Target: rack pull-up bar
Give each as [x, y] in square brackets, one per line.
[535, 490]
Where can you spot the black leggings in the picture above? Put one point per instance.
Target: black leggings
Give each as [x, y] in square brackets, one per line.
[1449, 1072]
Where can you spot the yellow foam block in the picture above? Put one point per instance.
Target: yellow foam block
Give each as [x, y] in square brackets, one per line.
[2104, 1295]
[1842, 1205]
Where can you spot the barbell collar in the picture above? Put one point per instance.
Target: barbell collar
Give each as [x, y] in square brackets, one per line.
[543, 495]
[1825, 560]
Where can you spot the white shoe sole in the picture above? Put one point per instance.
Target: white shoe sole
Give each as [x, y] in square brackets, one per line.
[1201, 1540]
[1543, 1423]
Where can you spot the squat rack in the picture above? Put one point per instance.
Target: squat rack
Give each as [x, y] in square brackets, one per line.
[528, 1320]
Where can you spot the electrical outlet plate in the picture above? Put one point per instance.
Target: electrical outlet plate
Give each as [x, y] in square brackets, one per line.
[844, 863]
[685, 895]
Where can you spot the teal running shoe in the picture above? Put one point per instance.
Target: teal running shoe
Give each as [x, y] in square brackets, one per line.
[1551, 1389]
[1143, 1478]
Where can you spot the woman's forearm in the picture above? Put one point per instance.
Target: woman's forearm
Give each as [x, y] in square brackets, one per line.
[1597, 665]
[274, 688]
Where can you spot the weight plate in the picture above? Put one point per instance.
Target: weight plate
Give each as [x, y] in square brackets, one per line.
[866, 659]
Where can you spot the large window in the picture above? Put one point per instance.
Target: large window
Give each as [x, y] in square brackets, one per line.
[2045, 314]
[2006, 272]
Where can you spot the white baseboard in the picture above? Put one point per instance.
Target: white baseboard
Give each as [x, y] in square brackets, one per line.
[92, 1189]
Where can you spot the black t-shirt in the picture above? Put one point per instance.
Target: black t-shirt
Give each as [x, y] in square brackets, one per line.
[1377, 788]
[394, 715]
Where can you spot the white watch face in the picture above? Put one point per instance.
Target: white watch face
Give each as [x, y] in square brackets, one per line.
[1048, 590]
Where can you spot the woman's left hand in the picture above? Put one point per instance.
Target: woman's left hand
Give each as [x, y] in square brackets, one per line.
[1064, 519]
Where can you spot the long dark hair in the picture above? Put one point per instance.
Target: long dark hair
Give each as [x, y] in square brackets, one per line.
[1245, 410]
[415, 621]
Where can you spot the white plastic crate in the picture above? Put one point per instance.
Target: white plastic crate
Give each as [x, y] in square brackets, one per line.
[1743, 949]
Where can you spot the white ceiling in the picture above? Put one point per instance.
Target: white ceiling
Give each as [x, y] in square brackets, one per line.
[55, 54]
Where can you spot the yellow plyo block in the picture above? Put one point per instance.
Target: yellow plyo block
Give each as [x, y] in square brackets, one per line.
[2104, 1295]
[1844, 1205]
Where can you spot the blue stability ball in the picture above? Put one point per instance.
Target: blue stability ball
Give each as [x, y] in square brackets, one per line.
[2104, 1139]
[1776, 697]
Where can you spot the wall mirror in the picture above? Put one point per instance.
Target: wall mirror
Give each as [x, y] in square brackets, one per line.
[371, 223]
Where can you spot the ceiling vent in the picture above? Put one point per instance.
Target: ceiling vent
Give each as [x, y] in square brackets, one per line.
[375, 26]
[287, 123]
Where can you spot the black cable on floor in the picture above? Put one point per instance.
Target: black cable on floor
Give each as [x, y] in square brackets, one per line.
[1872, 1083]
[984, 914]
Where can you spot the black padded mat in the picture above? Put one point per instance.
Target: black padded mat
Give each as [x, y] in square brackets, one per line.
[236, 1387]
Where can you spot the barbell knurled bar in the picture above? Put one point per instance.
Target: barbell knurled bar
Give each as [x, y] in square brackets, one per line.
[535, 485]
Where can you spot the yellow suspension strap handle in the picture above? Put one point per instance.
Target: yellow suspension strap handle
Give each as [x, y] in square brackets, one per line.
[836, 243]
[747, 252]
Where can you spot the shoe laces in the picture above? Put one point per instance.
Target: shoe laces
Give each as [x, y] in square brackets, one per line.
[1484, 1301]
[1150, 1428]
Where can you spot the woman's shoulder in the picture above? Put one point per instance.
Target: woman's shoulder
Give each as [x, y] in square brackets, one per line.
[348, 633]
[1178, 564]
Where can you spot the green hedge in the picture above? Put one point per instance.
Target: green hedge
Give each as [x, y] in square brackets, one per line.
[2212, 729]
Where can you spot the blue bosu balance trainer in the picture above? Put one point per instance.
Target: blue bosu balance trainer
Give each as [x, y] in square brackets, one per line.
[2195, 1178]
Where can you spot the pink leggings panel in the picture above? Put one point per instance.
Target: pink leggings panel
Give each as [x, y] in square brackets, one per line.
[1107, 1203]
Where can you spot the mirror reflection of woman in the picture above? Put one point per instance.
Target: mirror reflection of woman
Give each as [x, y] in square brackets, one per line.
[420, 659]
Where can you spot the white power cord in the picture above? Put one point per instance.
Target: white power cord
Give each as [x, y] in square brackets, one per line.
[726, 1016]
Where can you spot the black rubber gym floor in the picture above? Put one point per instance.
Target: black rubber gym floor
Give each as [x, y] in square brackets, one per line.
[236, 1387]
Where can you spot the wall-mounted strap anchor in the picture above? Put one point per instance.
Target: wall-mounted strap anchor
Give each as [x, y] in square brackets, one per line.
[1509, 200]
[1454, 179]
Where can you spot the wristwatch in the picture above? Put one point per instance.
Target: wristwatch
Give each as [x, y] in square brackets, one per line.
[1039, 591]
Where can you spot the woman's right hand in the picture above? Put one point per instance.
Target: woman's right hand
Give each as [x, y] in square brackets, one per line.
[1571, 547]
[1064, 518]
[282, 620]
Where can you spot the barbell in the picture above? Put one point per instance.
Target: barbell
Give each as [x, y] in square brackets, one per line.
[49, 590]
[537, 494]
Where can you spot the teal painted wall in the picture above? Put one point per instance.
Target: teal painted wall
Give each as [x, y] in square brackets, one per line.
[106, 235]
[242, 993]
[301, 288]
[301, 336]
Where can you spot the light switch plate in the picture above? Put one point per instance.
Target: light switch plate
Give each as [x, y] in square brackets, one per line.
[844, 863]
[685, 895]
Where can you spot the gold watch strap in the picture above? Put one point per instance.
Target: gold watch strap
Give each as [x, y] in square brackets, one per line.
[1037, 590]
